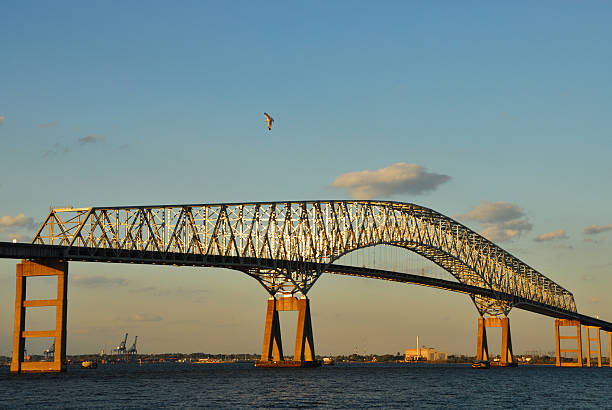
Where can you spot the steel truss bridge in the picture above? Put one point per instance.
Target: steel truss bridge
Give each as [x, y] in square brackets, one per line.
[287, 246]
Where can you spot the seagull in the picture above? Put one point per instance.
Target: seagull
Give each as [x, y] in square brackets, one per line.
[269, 120]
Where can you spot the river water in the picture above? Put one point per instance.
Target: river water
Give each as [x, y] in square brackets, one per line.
[239, 385]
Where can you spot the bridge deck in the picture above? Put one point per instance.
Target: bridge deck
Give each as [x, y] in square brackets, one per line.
[33, 251]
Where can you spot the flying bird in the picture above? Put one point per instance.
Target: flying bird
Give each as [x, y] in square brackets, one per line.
[269, 120]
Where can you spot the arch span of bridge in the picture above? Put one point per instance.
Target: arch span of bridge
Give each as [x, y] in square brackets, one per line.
[287, 246]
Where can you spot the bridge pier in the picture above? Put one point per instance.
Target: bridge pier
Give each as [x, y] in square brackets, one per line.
[577, 338]
[482, 350]
[589, 339]
[272, 352]
[272, 343]
[25, 269]
[610, 349]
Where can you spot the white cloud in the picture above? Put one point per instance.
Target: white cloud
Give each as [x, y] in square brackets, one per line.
[500, 221]
[146, 317]
[10, 236]
[560, 234]
[97, 281]
[595, 229]
[398, 178]
[20, 221]
[91, 139]
[491, 212]
[503, 231]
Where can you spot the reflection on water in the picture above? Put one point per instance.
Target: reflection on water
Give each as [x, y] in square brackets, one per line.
[341, 386]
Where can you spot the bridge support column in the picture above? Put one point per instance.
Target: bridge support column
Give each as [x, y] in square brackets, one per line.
[272, 353]
[272, 343]
[590, 339]
[610, 349]
[304, 340]
[577, 338]
[26, 269]
[482, 351]
[506, 351]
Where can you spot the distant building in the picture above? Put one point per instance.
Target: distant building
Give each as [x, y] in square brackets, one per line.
[423, 353]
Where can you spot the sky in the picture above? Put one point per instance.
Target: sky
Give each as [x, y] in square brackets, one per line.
[494, 113]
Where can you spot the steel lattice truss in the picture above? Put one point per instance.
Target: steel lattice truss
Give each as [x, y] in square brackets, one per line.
[300, 234]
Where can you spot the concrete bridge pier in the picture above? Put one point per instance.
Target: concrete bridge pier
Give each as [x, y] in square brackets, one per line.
[482, 350]
[577, 338]
[610, 349]
[272, 343]
[25, 269]
[590, 339]
[272, 352]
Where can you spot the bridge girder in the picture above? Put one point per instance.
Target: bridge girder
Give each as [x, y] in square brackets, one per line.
[305, 232]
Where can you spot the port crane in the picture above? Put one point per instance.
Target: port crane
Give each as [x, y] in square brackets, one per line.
[121, 350]
[50, 352]
[132, 350]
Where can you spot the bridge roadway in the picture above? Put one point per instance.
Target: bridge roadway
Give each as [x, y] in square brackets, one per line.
[84, 254]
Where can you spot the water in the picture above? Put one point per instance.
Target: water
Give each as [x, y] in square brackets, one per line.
[239, 385]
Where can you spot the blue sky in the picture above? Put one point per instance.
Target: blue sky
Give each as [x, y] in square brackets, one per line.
[116, 103]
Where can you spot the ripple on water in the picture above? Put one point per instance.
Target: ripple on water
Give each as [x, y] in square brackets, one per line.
[341, 386]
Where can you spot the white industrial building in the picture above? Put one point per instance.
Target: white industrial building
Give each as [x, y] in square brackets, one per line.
[422, 353]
